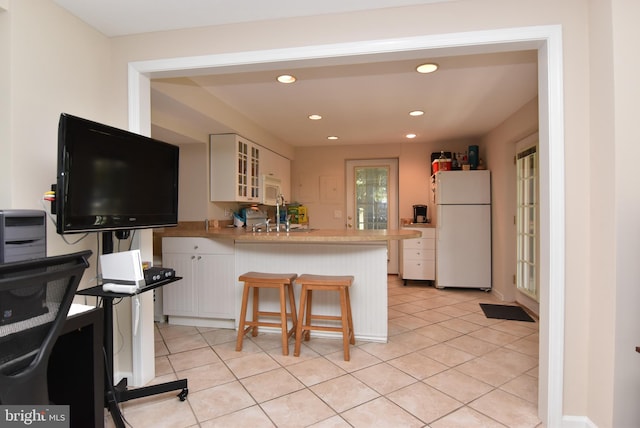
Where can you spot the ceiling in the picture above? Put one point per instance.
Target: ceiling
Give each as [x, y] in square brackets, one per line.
[124, 17]
[361, 103]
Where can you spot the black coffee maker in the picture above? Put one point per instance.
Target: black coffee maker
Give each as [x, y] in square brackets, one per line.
[419, 213]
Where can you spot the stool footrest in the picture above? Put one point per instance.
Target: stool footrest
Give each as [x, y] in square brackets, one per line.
[270, 314]
[324, 317]
[321, 328]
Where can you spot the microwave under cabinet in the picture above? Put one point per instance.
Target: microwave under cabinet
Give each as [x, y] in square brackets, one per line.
[271, 188]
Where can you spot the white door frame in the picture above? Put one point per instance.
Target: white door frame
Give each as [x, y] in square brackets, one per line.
[547, 40]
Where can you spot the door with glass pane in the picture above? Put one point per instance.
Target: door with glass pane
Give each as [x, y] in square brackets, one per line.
[527, 221]
[372, 199]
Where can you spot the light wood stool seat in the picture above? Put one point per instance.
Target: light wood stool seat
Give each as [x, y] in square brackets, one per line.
[258, 280]
[341, 284]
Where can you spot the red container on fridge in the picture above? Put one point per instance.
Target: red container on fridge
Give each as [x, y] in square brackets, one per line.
[441, 165]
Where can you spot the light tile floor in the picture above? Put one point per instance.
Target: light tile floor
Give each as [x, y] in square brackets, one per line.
[445, 365]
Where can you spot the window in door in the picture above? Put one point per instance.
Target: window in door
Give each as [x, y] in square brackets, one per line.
[372, 199]
[527, 222]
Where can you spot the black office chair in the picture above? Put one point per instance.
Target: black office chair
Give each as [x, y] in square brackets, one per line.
[35, 297]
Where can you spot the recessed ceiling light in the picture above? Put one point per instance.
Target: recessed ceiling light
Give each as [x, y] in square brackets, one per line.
[332, 137]
[315, 117]
[416, 113]
[411, 135]
[286, 78]
[427, 68]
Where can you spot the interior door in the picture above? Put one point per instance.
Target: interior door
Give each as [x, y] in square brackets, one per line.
[372, 199]
[527, 219]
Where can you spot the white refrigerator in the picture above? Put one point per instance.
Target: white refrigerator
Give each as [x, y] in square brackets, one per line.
[463, 232]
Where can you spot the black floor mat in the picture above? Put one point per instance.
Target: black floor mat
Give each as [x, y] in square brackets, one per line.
[505, 312]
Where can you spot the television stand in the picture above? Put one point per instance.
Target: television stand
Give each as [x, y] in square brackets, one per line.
[119, 393]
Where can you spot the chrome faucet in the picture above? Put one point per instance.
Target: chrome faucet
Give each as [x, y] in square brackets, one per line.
[258, 226]
[280, 202]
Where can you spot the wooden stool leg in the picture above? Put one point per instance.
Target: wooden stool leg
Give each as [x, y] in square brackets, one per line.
[345, 322]
[292, 305]
[309, 301]
[243, 317]
[352, 335]
[256, 301]
[283, 321]
[300, 324]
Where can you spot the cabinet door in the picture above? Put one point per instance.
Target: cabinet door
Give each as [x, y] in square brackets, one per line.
[248, 172]
[242, 171]
[214, 280]
[234, 168]
[179, 298]
[254, 173]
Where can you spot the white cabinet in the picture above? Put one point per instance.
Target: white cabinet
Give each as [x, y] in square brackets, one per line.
[418, 255]
[275, 165]
[234, 168]
[206, 290]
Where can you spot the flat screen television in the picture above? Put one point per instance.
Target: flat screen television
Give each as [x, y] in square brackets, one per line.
[112, 179]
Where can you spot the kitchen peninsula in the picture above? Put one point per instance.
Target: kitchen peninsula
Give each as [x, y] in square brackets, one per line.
[212, 298]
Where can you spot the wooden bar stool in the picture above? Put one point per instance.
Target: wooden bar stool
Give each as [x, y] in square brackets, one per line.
[341, 284]
[258, 280]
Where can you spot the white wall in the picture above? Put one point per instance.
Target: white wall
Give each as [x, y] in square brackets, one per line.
[626, 68]
[5, 109]
[193, 189]
[58, 64]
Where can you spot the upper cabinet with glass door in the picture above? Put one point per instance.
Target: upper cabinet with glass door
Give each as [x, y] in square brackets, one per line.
[235, 168]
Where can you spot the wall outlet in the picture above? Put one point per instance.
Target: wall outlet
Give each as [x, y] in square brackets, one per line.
[337, 214]
[227, 213]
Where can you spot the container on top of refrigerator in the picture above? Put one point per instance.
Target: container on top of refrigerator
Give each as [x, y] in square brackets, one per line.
[435, 161]
[473, 157]
[443, 163]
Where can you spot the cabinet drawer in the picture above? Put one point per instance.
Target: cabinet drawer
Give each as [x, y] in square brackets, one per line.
[418, 254]
[196, 245]
[419, 270]
[419, 243]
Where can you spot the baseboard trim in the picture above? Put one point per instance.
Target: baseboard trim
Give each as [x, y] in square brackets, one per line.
[577, 422]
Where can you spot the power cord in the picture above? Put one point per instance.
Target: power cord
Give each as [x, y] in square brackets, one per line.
[50, 196]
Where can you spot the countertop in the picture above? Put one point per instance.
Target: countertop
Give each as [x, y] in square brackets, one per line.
[301, 235]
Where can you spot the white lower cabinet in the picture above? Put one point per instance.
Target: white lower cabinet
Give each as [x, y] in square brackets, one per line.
[206, 291]
[418, 255]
